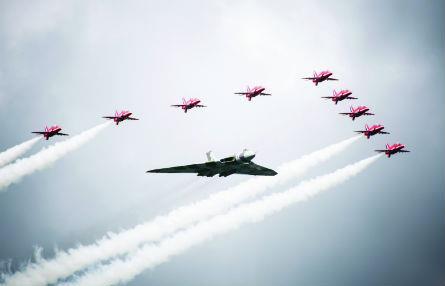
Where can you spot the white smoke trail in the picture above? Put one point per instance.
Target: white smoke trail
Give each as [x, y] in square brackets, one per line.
[14, 152]
[14, 172]
[151, 255]
[66, 263]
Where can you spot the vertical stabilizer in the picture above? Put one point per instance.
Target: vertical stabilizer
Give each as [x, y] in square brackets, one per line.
[209, 155]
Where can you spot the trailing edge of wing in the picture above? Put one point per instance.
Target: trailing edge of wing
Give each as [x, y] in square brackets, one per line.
[254, 169]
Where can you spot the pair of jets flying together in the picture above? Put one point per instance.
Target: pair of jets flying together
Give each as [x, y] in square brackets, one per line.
[196, 102]
[356, 112]
[55, 130]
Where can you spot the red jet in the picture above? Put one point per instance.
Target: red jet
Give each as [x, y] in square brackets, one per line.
[322, 76]
[357, 112]
[255, 91]
[51, 131]
[189, 104]
[393, 149]
[373, 130]
[343, 94]
[121, 116]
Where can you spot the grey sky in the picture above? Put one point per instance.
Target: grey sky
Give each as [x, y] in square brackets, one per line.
[71, 62]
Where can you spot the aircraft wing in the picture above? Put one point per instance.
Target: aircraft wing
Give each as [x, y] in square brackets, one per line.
[177, 105]
[404, 151]
[367, 113]
[254, 169]
[328, 97]
[62, 134]
[109, 117]
[200, 105]
[208, 169]
[242, 93]
[381, 151]
[132, 118]
[346, 113]
[311, 78]
[350, 97]
[265, 94]
[332, 78]
[383, 132]
[38, 132]
[360, 131]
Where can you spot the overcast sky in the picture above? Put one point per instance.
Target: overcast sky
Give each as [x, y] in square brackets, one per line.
[71, 62]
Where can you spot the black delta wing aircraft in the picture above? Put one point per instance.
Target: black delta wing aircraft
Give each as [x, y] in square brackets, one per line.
[236, 164]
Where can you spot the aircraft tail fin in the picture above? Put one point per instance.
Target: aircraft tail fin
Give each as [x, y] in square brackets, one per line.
[366, 127]
[387, 146]
[210, 157]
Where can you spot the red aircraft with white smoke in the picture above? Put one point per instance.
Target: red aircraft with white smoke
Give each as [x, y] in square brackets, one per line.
[51, 131]
[189, 104]
[121, 116]
[339, 96]
[357, 112]
[253, 92]
[393, 149]
[322, 76]
[373, 130]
